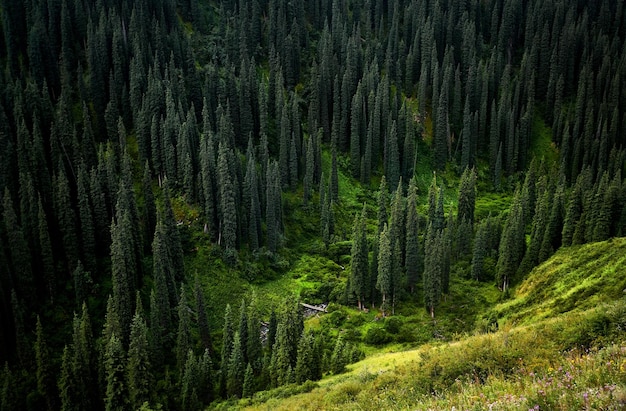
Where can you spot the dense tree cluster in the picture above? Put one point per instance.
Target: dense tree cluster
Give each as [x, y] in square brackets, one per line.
[113, 112]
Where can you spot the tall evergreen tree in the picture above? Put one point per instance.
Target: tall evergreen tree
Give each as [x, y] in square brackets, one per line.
[203, 323]
[236, 369]
[122, 270]
[228, 340]
[306, 357]
[385, 260]
[139, 367]
[183, 337]
[512, 244]
[19, 251]
[116, 386]
[45, 381]
[412, 258]
[359, 267]
[228, 226]
[433, 269]
[467, 197]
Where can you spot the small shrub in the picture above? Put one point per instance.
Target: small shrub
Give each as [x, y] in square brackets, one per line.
[393, 324]
[335, 318]
[376, 335]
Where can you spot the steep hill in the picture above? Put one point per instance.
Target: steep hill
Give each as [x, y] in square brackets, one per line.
[560, 345]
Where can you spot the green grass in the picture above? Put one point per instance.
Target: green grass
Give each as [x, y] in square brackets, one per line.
[575, 278]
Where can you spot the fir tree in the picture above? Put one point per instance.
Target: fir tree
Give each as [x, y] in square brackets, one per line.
[183, 338]
[228, 226]
[385, 261]
[228, 339]
[306, 358]
[236, 369]
[203, 324]
[18, 249]
[433, 269]
[122, 267]
[382, 204]
[116, 387]
[139, 369]
[512, 244]
[309, 168]
[467, 197]
[248, 382]
[338, 359]
[412, 258]
[45, 382]
[359, 253]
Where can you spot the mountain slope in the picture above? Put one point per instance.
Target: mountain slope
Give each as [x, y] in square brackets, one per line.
[566, 351]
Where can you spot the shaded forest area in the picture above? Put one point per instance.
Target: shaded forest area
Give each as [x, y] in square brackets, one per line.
[111, 110]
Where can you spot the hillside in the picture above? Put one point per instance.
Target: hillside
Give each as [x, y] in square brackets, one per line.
[555, 348]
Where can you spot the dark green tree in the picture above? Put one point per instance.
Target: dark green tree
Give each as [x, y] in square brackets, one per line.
[203, 323]
[359, 268]
[45, 379]
[467, 197]
[183, 337]
[18, 249]
[306, 358]
[228, 226]
[512, 244]
[67, 384]
[383, 193]
[309, 170]
[385, 265]
[139, 368]
[116, 387]
[87, 235]
[228, 340]
[433, 269]
[248, 382]
[413, 258]
[338, 358]
[236, 369]
[122, 272]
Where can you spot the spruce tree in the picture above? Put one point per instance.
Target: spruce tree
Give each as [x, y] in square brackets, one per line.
[338, 358]
[183, 337]
[228, 339]
[122, 270]
[67, 384]
[203, 323]
[385, 261]
[45, 381]
[47, 257]
[139, 368]
[412, 257]
[228, 226]
[87, 237]
[309, 170]
[512, 245]
[116, 387]
[248, 382]
[306, 358]
[359, 267]
[382, 204]
[18, 249]
[467, 197]
[236, 369]
[254, 350]
[433, 269]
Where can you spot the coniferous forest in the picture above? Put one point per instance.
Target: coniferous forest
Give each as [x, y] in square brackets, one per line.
[166, 165]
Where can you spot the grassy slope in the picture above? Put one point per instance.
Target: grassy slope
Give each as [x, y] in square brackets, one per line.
[573, 300]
